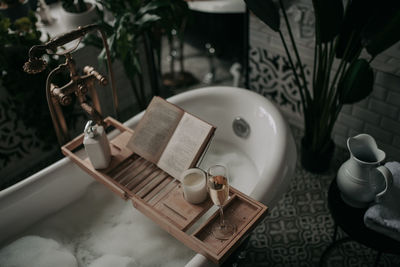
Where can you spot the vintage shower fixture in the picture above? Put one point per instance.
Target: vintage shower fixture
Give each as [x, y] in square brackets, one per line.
[79, 86]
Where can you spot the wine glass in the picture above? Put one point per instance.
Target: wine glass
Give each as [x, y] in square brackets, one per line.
[218, 187]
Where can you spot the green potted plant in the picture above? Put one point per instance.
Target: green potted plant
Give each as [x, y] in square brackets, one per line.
[136, 28]
[14, 9]
[25, 93]
[341, 35]
[77, 13]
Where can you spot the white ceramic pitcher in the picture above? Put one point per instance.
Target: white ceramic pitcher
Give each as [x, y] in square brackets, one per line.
[362, 179]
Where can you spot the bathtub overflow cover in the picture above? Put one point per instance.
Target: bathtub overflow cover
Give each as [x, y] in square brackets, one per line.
[241, 127]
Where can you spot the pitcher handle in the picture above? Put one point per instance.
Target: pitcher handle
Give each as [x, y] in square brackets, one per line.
[387, 175]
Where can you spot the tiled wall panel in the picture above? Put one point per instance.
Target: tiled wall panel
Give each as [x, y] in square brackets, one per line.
[377, 115]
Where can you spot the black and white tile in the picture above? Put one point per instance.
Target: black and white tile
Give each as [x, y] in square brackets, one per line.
[299, 228]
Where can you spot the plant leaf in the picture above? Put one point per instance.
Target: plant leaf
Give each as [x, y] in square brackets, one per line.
[352, 43]
[147, 19]
[329, 17]
[358, 13]
[102, 59]
[357, 83]
[383, 30]
[152, 6]
[266, 11]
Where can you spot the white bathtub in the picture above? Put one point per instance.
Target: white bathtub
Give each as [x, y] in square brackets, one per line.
[218, 6]
[260, 165]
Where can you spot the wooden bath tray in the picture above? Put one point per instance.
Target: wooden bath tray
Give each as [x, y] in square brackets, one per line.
[159, 196]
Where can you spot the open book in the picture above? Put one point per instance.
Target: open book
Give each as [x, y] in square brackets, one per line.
[169, 137]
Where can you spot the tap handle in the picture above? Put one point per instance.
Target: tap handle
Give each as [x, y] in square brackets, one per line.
[63, 99]
[91, 71]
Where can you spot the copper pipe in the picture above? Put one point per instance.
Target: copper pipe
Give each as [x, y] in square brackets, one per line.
[61, 95]
[95, 98]
[62, 136]
[37, 51]
[97, 117]
[109, 65]
[35, 64]
[60, 117]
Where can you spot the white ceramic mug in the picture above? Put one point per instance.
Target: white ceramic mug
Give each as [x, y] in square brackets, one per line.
[194, 184]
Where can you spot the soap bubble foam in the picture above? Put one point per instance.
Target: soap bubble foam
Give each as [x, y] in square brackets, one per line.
[94, 231]
[114, 261]
[35, 251]
[243, 174]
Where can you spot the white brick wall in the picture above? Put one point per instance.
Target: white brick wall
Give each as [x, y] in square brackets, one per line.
[377, 115]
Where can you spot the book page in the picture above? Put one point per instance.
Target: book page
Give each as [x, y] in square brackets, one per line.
[155, 129]
[185, 145]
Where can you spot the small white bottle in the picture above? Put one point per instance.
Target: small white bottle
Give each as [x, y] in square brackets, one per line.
[96, 145]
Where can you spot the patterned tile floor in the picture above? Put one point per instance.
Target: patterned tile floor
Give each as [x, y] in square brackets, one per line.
[299, 228]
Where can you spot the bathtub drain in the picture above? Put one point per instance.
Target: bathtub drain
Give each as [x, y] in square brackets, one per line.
[240, 127]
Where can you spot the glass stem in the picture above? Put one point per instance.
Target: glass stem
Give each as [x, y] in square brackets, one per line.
[221, 215]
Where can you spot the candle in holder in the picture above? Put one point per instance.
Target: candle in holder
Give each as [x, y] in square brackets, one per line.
[194, 185]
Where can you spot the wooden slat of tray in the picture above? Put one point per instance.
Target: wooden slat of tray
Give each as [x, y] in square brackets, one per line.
[179, 211]
[238, 212]
[202, 240]
[118, 151]
[164, 191]
[168, 226]
[134, 172]
[159, 196]
[164, 184]
[125, 168]
[119, 154]
[136, 185]
[241, 210]
[152, 185]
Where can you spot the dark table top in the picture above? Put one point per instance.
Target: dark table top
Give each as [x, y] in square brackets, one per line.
[351, 220]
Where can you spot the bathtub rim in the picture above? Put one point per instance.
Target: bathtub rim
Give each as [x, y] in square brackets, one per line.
[257, 193]
[218, 6]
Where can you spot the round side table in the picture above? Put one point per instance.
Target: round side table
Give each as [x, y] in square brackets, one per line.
[351, 221]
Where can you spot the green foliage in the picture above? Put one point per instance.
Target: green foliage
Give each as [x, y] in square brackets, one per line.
[328, 16]
[27, 91]
[357, 83]
[383, 28]
[135, 23]
[341, 35]
[10, 2]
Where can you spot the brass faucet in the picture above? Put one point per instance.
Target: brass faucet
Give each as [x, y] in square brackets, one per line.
[79, 85]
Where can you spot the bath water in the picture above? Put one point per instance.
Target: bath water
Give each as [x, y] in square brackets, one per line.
[102, 230]
[242, 172]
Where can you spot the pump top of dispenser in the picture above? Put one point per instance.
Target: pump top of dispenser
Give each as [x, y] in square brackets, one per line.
[90, 129]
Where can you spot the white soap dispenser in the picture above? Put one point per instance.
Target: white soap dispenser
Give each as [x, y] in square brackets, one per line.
[96, 145]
